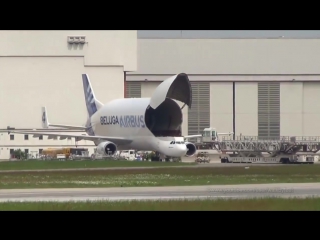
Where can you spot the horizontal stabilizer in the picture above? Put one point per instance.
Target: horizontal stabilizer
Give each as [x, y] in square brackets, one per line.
[68, 127]
[46, 124]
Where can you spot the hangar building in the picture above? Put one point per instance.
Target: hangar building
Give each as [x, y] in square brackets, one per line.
[43, 68]
[255, 83]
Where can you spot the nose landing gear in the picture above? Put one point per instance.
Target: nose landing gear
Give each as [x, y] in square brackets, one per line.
[163, 158]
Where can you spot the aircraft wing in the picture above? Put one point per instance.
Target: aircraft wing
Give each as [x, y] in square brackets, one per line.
[68, 126]
[116, 140]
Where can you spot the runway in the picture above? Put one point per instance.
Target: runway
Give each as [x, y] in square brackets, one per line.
[283, 190]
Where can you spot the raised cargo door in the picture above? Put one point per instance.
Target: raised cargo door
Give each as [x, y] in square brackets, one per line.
[177, 87]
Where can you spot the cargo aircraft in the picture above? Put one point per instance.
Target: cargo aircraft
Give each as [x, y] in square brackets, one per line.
[149, 124]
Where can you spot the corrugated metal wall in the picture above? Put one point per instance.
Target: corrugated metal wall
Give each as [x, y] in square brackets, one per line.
[268, 109]
[199, 114]
[133, 90]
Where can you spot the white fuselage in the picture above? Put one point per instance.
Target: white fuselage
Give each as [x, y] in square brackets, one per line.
[126, 118]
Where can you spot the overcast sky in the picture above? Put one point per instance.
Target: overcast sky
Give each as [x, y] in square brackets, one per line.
[228, 33]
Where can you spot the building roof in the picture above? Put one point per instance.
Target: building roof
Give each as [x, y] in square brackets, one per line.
[211, 34]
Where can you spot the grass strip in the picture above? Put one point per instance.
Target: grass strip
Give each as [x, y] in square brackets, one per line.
[263, 204]
[162, 177]
[39, 165]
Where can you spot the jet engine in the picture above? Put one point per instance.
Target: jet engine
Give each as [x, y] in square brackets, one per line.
[106, 148]
[191, 149]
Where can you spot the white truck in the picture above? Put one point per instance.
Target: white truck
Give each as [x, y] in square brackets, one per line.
[61, 157]
[130, 155]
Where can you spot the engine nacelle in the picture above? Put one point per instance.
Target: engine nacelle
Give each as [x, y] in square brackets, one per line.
[191, 149]
[106, 148]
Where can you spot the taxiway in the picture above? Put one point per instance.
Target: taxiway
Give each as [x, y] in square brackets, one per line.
[283, 190]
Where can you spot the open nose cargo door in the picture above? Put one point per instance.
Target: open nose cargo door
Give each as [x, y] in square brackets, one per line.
[177, 87]
[163, 116]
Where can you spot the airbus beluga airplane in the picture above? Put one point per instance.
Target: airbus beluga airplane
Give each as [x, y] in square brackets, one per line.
[150, 124]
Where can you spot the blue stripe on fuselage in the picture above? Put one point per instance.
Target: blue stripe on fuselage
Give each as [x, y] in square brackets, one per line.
[90, 103]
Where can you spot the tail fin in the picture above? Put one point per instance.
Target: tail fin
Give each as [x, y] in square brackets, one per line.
[45, 122]
[92, 103]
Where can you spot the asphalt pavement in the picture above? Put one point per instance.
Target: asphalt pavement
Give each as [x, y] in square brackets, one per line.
[283, 190]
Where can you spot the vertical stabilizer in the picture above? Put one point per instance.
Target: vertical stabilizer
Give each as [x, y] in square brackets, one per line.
[45, 122]
[91, 102]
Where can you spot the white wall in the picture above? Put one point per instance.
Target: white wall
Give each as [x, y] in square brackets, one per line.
[242, 60]
[29, 83]
[246, 108]
[221, 104]
[291, 109]
[228, 56]
[147, 88]
[34, 144]
[311, 109]
[19, 140]
[103, 48]
[40, 68]
[300, 109]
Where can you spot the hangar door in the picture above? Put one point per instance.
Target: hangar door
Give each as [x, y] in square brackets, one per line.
[269, 110]
[199, 114]
[133, 90]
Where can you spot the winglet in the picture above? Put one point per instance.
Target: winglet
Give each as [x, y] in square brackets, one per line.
[45, 122]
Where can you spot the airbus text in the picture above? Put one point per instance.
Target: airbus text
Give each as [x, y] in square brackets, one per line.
[126, 121]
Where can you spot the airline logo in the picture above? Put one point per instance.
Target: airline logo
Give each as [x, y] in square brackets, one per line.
[125, 121]
[88, 93]
[43, 117]
[109, 120]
